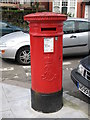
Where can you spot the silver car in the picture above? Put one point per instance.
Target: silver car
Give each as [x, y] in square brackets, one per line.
[16, 45]
[76, 36]
[75, 41]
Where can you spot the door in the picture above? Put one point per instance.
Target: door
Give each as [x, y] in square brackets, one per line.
[75, 39]
[69, 37]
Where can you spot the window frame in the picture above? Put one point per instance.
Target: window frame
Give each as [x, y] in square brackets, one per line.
[74, 27]
[77, 31]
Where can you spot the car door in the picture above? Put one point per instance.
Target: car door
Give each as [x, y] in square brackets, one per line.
[74, 42]
[69, 37]
[83, 33]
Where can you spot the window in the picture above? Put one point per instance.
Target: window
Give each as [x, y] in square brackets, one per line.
[69, 27]
[3, 25]
[64, 3]
[73, 11]
[64, 10]
[56, 6]
[72, 7]
[72, 3]
[64, 6]
[82, 26]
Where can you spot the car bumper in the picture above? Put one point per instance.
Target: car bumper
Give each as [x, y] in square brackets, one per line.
[7, 53]
[77, 78]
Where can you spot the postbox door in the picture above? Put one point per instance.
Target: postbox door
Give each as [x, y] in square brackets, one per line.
[48, 72]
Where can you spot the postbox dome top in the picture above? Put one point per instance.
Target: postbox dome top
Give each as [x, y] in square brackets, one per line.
[45, 16]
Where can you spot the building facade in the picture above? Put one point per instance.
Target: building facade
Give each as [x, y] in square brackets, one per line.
[65, 7]
[23, 4]
[86, 8]
[74, 8]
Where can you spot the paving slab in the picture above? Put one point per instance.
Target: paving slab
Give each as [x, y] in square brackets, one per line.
[5, 105]
[18, 105]
[14, 92]
[0, 97]
[7, 114]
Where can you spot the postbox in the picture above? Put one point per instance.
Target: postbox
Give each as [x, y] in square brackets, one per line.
[46, 34]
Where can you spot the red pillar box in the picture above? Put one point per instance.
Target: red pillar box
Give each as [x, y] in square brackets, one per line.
[46, 33]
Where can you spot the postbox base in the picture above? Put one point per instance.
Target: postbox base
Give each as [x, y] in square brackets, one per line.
[47, 103]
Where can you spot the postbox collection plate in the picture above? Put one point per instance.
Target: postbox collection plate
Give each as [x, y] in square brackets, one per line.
[48, 45]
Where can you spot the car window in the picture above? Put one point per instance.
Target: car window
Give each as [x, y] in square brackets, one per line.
[3, 25]
[69, 27]
[82, 26]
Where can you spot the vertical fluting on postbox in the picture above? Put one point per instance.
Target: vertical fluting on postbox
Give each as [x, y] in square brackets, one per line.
[46, 34]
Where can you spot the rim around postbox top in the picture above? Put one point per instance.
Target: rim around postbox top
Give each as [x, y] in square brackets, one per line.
[45, 16]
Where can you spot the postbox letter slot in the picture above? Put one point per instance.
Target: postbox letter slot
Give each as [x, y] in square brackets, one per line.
[48, 29]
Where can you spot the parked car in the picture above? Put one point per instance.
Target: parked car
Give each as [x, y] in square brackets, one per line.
[76, 36]
[81, 76]
[16, 45]
[75, 41]
[6, 28]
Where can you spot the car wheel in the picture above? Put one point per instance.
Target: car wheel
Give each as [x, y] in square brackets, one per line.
[23, 56]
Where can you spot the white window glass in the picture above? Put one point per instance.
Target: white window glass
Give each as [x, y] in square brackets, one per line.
[72, 3]
[3, 25]
[82, 26]
[86, 11]
[13, 1]
[72, 9]
[69, 27]
[56, 6]
[21, 1]
[64, 2]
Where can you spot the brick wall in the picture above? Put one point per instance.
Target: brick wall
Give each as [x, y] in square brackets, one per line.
[80, 9]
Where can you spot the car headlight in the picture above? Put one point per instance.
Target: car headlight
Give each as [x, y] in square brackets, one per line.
[80, 69]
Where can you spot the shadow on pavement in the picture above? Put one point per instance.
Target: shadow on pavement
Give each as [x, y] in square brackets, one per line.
[12, 62]
[73, 57]
[78, 94]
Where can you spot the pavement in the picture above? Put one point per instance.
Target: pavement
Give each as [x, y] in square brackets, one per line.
[15, 102]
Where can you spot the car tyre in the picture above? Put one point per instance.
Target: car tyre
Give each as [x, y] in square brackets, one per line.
[23, 56]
